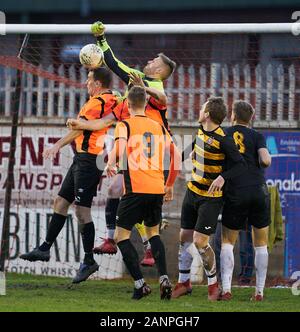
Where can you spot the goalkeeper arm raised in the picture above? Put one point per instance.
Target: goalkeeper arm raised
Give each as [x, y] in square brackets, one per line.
[118, 67]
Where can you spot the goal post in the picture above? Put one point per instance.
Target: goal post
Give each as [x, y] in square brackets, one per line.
[220, 28]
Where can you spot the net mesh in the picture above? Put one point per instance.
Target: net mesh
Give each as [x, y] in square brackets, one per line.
[262, 69]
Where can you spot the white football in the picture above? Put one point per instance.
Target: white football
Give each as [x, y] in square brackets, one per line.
[91, 56]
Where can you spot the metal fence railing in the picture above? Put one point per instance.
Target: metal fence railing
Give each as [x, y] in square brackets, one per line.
[273, 90]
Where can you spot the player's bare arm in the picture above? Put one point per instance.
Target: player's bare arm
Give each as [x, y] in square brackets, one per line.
[265, 158]
[216, 185]
[175, 166]
[115, 155]
[92, 125]
[114, 64]
[160, 96]
[67, 139]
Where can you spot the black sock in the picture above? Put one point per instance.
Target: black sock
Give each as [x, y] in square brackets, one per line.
[131, 259]
[45, 246]
[55, 226]
[88, 238]
[158, 252]
[111, 208]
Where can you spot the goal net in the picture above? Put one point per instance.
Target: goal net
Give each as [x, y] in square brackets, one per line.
[261, 68]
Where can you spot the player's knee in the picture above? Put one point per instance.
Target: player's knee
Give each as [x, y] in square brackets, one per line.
[198, 244]
[260, 242]
[61, 205]
[82, 214]
[200, 241]
[228, 239]
[260, 238]
[186, 235]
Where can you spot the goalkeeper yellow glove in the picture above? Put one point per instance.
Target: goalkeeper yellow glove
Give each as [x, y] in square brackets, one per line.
[98, 29]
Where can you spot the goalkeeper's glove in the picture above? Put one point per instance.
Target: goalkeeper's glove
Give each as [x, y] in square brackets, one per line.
[98, 29]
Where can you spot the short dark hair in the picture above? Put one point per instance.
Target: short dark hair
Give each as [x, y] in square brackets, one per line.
[167, 61]
[103, 75]
[243, 111]
[217, 109]
[137, 97]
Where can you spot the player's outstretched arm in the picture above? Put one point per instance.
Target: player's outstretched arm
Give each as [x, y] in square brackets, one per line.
[121, 136]
[114, 64]
[92, 125]
[158, 95]
[67, 139]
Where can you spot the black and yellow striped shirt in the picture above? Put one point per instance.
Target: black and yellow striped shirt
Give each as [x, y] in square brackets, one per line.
[211, 151]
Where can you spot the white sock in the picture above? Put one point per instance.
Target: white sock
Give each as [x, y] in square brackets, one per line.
[261, 265]
[110, 233]
[139, 283]
[227, 265]
[185, 260]
[211, 280]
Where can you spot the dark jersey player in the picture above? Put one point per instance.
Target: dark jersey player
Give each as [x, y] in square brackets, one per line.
[203, 200]
[246, 200]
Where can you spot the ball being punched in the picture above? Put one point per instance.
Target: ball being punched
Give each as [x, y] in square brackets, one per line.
[91, 56]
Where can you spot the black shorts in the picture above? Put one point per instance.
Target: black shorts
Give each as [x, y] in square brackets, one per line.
[246, 205]
[135, 208]
[81, 182]
[200, 213]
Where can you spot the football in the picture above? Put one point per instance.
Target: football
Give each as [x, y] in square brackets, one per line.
[91, 56]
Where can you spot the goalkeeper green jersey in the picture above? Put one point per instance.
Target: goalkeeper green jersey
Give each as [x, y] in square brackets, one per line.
[123, 71]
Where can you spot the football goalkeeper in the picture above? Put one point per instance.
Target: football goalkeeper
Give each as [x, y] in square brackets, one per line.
[154, 73]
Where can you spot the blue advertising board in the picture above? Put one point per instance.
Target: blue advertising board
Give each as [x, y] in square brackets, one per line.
[285, 174]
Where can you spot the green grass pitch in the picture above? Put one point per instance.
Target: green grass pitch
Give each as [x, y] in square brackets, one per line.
[34, 293]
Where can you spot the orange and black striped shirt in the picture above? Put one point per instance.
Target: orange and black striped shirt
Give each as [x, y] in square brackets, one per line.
[144, 155]
[154, 110]
[95, 108]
